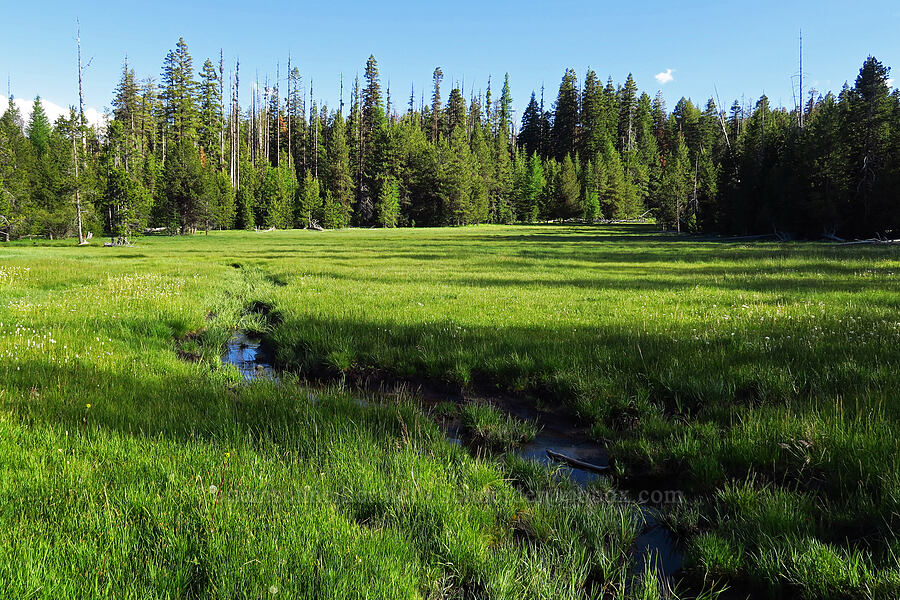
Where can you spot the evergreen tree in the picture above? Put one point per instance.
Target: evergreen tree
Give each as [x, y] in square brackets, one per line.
[179, 94]
[309, 202]
[676, 187]
[627, 101]
[126, 113]
[183, 187]
[436, 106]
[388, 205]
[871, 150]
[530, 131]
[591, 117]
[210, 116]
[565, 121]
[339, 192]
[456, 111]
[568, 190]
[39, 128]
[532, 189]
[590, 199]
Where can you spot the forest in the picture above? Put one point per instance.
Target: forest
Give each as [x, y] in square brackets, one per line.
[182, 155]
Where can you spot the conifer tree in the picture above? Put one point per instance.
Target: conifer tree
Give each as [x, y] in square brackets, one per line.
[591, 117]
[565, 121]
[339, 192]
[38, 130]
[568, 190]
[210, 115]
[309, 202]
[438, 76]
[179, 94]
[388, 206]
[530, 131]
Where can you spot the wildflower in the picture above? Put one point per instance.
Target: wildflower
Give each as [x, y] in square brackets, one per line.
[88, 405]
[213, 489]
[273, 590]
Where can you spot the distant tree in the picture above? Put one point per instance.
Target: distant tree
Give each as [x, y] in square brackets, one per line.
[210, 115]
[870, 131]
[339, 191]
[627, 101]
[179, 94]
[676, 186]
[591, 116]
[565, 120]
[590, 199]
[183, 188]
[39, 128]
[388, 205]
[309, 201]
[568, 190]
[530, 133]
[456, 111]
[438, 76]
[531, 189]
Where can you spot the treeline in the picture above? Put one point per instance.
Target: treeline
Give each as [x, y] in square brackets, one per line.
[184, 155]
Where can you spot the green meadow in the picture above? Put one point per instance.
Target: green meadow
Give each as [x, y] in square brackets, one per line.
[759, 380]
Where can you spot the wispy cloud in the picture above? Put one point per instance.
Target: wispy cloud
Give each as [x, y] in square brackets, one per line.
[53, 110]
[890, 82]
[664, 77]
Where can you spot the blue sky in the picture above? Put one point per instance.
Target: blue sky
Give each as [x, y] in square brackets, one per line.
[742, 49]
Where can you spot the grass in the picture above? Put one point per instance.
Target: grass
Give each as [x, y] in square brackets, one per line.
[758, 378]
[494, 429]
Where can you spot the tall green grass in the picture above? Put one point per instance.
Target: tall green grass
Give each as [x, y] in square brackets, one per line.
[759, 378]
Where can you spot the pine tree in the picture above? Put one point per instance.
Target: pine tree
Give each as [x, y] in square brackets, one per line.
[183, 187]
[179, 94]
[210, 115]
[871, 114]
[530, 131]
[532, 189]
[568, 190]
[565, 121]
[627, 101]
[436, 128]
[372, 151]
[591, 117]
[456, 111]
[339, 193]
[126, 112]
[388, 206]
[590, 199]
[676, 186]
[38, 130]
[309, 202]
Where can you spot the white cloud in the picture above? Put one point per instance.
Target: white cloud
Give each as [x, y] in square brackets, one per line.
[890, 82]
[664, 77]
[53, 110]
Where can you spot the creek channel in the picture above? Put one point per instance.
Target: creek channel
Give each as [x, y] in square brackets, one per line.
[558, 434]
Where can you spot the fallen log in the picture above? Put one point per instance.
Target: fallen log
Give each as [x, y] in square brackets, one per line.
[574, 462]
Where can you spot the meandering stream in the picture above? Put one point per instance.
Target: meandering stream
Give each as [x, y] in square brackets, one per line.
[556, 433]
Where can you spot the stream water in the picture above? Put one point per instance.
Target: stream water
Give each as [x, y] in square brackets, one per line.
[245, 352]
[556, 433]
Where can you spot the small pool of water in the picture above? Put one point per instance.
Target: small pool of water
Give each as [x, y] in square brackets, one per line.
[245, 353]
